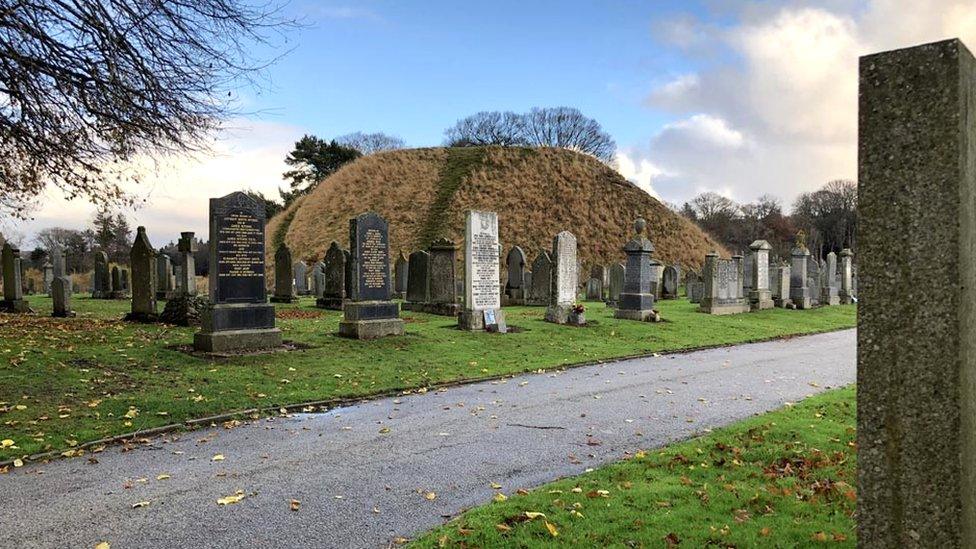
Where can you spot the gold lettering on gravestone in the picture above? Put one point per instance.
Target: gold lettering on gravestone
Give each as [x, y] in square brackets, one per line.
[373, 259]
[241, 251]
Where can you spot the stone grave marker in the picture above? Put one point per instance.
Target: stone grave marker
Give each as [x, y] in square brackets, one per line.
[400, 277]
[318, 279]
[118, 291]
[781, 287]
[334, 292]
[441, 283]
[300, 268]
[916, 368]
[515, 287]
[369, 313]
[418, 280]
[101, 279]
[13, 291]
[564, 282]
[239, 317]
[47, 273]
[164, 276]
[760, 295]
[541, 280]
[142, 258]
[846, 293]
[284, 276]
[637, 299]
[670, 282]
[723, 293]
[482, 298]
[829, 292]
[618, 273]
[186, 282]
[61, 294]
[801, 292]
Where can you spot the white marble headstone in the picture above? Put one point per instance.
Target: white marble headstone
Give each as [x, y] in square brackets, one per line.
[481, 259]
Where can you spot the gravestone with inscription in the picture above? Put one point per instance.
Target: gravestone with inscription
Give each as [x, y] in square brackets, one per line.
[284, 277]
[186, 282]
[418, 289]
[47, 274]
[164, 276]
[694, 287]
[565, 281]
[101, 280]
[637, 299]
[541, 280]
[400, 277]
[617, 275]
[442, 277]
[801, 292]
[13, 292]
[515, 287]
[239, 317]
[723, 293]
[846, 291]
[829, 294]
[482, 299]
[780, 283]
[300, 268]
[760, 295]
[142, 259]
[369, 313]
[334, 290]
[657, 278]
[670, 282]
[61, 295]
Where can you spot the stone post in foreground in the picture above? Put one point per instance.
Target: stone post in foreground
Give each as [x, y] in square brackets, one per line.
[916, 351]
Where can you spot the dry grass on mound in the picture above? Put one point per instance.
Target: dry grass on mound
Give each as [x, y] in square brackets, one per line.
[425, 193]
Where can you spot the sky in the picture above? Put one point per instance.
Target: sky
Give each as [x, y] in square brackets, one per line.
[740, 98]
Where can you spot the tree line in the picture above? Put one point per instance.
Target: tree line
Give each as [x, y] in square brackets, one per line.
[828, 216]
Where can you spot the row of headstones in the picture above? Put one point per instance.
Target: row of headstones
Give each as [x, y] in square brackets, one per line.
[57, 282]
[737, 284]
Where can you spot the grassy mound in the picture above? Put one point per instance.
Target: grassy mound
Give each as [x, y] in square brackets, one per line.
[424, 194]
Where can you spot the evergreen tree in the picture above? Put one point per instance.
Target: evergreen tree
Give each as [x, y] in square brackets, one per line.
[313, 160]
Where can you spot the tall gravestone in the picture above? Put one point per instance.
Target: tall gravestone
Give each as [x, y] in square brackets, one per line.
[781, 287]
[369, 313]
[101, 279]
[239, 317]
[801, 292]
[61, 297]
[846, 291]
[617, 275]
[916, 336]
[47, 274]
[124, 275]
[300, 269]
[187, 282]
[760, 294]
[815, 280]
[164, 275]
[596, 284]
[118, 292]
[142, 259]
[59, 261]
[482, 299]
[400, 277]
[515, 288]
[284, 277]
[694, 288]
[541, 280]
[723, 293]
[670, 282]
[829, 294]
[13, 292]
[564, 282]
[318, 279]
[657, 278]
[418, 280]
[442, 277]
[637, 299]
[334, 291]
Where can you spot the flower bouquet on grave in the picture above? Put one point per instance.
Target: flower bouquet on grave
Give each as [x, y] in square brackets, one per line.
[577, 317]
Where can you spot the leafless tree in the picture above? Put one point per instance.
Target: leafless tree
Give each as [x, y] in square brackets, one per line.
[487, 128]
[89, 85]
[369, 143]
[568, 128]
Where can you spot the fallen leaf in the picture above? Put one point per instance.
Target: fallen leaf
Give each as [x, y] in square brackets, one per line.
[294, 504]
[218, 457]
[103, 545]
[532, 515]
[140, 504]
[430, 496]
[500, 497]
[552, 529]
[6, 442]
[162, 477]
[237, 497]
[18, 462]
[503, 528]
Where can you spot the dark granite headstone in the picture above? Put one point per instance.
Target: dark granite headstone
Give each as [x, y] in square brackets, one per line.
[400, 276]
[334, 278]
[61, 296]
[369, 313]
[515, 288]
[284, 277]
[442, 279]
[637, 298]
[13, 293]
[102, 279]
[118, 291]
[418, 279]
[239, 317]
[541, 280]
[142, 258]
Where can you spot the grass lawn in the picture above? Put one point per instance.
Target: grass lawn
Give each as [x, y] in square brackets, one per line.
[64, 382]
[784, 479]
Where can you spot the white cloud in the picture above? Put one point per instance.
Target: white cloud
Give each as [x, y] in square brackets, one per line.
[776, 112]
[638, 171]
[248, 154]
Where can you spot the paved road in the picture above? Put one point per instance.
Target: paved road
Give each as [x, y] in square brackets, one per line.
[361, 485]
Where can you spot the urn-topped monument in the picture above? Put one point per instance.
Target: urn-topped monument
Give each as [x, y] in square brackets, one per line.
[637, 298]
[239, 317]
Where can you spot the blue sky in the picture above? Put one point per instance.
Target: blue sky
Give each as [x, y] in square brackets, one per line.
[414, 68]
[742, 98]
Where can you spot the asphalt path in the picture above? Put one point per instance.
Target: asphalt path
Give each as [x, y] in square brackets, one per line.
[393, 467]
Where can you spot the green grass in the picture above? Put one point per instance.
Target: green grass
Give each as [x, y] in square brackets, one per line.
[784, 479]
[64, 382]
